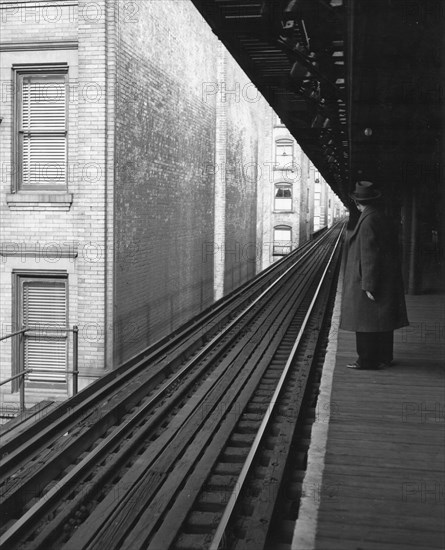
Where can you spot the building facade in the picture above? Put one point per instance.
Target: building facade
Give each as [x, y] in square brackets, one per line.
[130, 142]
[139, 166]
[297, 200]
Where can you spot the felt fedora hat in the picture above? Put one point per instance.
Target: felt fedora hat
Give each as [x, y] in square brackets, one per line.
[365, 191]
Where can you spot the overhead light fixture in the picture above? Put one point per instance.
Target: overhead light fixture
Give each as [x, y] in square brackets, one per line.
[320, 121]
[294, 7]
[299, 71]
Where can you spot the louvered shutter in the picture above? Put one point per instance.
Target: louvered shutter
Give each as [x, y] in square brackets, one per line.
[43, 131]
[282, 241]
[45, 347]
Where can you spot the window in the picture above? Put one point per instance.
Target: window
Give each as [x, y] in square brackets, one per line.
[283, 196]
[284, 153]
[282, 240]
[41, 304]
[41, 128]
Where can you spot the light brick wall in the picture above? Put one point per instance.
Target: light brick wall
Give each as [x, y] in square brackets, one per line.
[143, 135]
[62, 32]
[38, 21]
[248, 123]
[90, 199]
[219, 244]
[307, 199]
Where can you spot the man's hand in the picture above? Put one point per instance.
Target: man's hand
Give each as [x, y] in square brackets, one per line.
[369, 295]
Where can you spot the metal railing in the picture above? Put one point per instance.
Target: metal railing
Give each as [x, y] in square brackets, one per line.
[22, 374]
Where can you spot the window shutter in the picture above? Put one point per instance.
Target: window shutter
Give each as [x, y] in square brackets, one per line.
[282, 240]
[45, 347]
[43, 131]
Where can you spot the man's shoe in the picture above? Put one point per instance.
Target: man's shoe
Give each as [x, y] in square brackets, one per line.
[354, 366]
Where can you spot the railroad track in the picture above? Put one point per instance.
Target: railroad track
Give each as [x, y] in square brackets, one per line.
[119, 478]
[105, 403]
[163, 358]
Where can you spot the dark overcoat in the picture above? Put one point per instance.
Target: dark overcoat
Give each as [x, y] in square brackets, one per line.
[371, 263]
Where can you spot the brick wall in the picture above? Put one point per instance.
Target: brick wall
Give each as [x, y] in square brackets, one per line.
[186, 159]
[73, 33]
[248, 122]
[147, 116]
[165, 144]
[91, 195]
[40, 20]
[305, 197]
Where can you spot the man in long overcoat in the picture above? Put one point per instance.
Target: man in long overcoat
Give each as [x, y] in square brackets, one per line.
[373, 301]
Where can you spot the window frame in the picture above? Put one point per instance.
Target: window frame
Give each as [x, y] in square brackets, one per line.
[282, 228]
[20, 71]
[283, 185]
[284, 142]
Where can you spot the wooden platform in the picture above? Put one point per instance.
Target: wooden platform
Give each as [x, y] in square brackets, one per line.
[377, 481]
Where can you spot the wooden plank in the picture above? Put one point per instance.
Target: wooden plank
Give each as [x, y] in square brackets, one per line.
[22, 420]
[348, 428]
[387, 479]
[327, 543]
[379, 533]
[368, 513]
[353, 446]
[415, 414]
[177, 513]
[384, 477]
[117, 513]
[138, 536]
[377, 471]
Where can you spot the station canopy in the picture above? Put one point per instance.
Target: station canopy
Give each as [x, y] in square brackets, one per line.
[357, 82]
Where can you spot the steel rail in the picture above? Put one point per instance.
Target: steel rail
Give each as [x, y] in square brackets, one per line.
[193, 426]
[65, 415]
[47, 480]
[148, 458]
[220, 531]
[96, 539]
[219, 306]
[44, 539]
[143, 518]
[253, 371]
[49, 496]
[65, 484]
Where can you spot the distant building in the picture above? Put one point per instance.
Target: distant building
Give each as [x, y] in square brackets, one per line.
[297, 200]
[328, 208]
